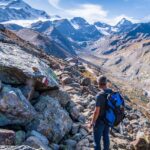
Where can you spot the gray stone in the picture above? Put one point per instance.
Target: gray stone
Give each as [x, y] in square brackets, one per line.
[70, 144]
[15, 69]
[36, 143]
[55, 146]
[53, 121]
[82, 119]
[7, 137]
[84, 142]
[75, 128]
[74, 112]
[86, 81]
[41, 137]
[60, 95]
[14, 107]
[20, 137]
[77, 137]
[83, 132]
[67, 80]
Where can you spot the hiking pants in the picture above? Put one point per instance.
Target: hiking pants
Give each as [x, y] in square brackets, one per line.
[101, 130]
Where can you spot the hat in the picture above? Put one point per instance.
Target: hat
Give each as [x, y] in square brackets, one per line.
[102, 80]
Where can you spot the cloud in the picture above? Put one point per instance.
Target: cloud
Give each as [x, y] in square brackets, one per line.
[146, 19]
[54, 3]
[90, 12]
[115, 20]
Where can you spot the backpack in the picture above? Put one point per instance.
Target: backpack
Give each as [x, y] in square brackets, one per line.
[114, 113]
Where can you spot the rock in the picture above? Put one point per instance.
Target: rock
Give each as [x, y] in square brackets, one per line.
[140, 144]
[82, 119]
[36, 143]
[20, 137]
[86, 81]
[66, 80]
[14, 107]
[77, 137]
[53, 121]
[74, 112]
[22, 147]
[55, 146]
[28, 90]
[2, 28]
[83, 132]
[11, 72]
[70, 144]
[75, 128]
[41, 137]
[7, 137]
[82, 143]
[62, 96]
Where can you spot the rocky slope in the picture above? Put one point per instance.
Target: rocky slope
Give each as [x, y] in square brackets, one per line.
[47, 103]
[46, 43]
[126, 55]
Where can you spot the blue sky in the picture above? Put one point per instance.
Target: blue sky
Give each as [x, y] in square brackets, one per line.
[109, 11]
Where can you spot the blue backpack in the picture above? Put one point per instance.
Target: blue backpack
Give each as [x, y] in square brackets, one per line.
[114, 113]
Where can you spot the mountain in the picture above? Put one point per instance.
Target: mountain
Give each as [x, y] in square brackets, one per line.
[46, 102]
[124, 25]
[46, 43]
[103, 28]
[19, 10]
[126, 54]
[48, 28]
[88, 31]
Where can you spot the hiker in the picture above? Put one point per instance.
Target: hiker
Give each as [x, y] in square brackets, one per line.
[100, 129]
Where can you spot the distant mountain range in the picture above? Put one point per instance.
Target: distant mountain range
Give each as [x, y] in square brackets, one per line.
[19, 10]
[61, 37]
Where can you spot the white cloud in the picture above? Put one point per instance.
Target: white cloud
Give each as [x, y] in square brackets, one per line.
[146, 19]
[54, 3]
[115, 20]
[90, 12]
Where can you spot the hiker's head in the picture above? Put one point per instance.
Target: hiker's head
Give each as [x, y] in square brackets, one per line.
[102, 82]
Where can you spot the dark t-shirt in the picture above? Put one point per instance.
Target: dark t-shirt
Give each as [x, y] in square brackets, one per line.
[101, 98]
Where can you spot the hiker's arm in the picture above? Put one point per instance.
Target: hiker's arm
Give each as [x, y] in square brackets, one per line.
[95, 115]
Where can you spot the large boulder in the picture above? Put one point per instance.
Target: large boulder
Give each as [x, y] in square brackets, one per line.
[53, 121]
[17, 65]
[7, 137]
[33, 141]
[14, 107]
[61, 95]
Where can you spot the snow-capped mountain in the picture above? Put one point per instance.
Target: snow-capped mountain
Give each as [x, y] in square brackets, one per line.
[19, 10]
[103, 28]
[123, 26]
[123, 23]
[88, 31]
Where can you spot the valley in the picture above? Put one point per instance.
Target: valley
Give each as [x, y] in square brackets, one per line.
[48, 79]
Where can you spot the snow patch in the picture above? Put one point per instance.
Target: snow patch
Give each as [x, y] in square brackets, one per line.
[24, 23]
[103, 30]
[76, 26]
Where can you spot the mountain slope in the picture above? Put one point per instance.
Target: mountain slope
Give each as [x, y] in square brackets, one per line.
[19, 10]
[127, 55]
[46, 43]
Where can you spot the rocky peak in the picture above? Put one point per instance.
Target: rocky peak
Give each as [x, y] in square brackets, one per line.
[124, 22]
[19, 10]
[79, 21]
